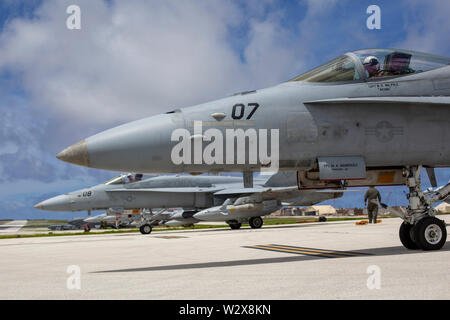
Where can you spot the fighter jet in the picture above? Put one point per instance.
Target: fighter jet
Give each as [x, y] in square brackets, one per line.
[369, 117]
[167, 217]
[192, 193]
[132, 218]
[115, 220]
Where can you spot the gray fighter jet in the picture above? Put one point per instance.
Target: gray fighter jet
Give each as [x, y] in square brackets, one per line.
[192, 193]
[167, 217]
[114, 220]
[369, 117]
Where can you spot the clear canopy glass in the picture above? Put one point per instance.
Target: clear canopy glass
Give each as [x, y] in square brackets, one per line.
[125, 178]
[392, 62]
[372, 64]
[337, 70]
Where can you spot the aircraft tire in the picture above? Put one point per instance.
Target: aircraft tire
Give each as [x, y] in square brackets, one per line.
[406, 234]
[255, 222]
[145, 229]
[430, 233]
[235, 226]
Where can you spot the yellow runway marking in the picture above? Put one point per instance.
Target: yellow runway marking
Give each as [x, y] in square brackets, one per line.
[294, 251]
[352, 253]
[307, 251]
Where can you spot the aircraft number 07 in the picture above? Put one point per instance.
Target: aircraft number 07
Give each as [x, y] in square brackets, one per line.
[239, 111]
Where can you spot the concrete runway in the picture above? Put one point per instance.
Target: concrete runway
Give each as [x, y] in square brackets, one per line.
[227, 264]
[12, 226]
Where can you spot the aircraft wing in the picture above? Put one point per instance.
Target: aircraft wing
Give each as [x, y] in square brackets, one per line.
[238, 191]
[174, 190]
[282, 193]
[265, 193]
[335, 190]
[436, 100]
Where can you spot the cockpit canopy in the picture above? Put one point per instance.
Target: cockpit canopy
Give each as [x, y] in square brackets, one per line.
[369, 64]
[125, 179]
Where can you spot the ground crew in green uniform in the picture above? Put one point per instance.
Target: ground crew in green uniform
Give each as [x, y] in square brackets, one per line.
[370, 199]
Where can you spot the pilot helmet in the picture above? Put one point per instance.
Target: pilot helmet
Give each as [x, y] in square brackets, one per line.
[371, 60]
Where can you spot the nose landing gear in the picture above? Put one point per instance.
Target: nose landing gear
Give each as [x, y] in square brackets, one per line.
[255, 222]
[145, 228]
[430, 233]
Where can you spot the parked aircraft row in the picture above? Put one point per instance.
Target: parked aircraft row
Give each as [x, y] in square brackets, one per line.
[203, 198]
[369, 117]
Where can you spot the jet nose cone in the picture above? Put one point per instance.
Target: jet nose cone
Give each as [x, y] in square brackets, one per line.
[39, 206]
[76, 154]
[143, 145]
[59, 203]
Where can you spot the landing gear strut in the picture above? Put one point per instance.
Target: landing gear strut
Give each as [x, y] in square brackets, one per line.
[420, 228]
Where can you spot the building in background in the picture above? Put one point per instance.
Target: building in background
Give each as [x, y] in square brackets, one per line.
[324, 210]
[327, 210]
[443, 208]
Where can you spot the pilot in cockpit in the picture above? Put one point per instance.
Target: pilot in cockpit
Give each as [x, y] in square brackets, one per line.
[135, 178]
[397, 63]
[372, 66]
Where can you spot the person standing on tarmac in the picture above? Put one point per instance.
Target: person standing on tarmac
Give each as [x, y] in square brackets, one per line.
[372, 198]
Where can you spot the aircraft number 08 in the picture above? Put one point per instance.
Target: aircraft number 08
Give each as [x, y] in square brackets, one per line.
[239, 111]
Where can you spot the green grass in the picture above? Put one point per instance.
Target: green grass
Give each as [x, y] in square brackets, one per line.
[51, 234]
[41, 223]
[267, 222]
[82, 233]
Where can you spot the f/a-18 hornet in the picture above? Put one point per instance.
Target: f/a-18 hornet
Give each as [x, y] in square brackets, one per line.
[370, 117]
[224, 197]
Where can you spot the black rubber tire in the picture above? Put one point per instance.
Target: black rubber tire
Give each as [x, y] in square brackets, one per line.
[145, 229]
[405, 233]
[255, 222]
[322, 219]
[235, 226]
[421, 230]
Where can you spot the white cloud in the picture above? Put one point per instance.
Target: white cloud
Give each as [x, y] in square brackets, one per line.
[137, 58]
[427, 26]
[8, 148]
[129, 60]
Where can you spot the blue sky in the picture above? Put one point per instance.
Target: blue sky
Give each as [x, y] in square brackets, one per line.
[59, 86]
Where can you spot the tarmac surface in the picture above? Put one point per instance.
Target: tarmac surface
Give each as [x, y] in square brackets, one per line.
[332, 260]
[12, 226]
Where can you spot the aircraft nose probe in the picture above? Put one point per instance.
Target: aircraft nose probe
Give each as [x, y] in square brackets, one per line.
[76, 154]
[39, 206]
